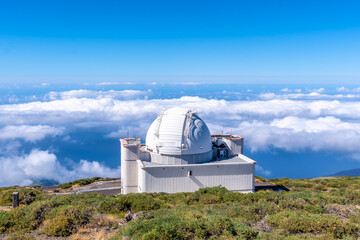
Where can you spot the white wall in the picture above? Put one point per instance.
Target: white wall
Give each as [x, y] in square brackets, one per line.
[129, 168]
[239, 177]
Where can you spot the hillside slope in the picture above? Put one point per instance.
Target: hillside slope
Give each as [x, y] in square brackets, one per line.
[350, 173]
[322, 208]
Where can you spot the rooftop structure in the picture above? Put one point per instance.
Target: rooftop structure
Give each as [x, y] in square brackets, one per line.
[180, 155]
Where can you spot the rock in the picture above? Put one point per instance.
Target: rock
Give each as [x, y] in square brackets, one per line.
[129, 215]
[136, 215]
[341, 211]
[126, 238]
[261, 226]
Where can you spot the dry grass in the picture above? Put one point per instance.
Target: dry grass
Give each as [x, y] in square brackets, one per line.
[100, 235]
[107, 220]
[89, 234]
[6, 209]
[78, 236]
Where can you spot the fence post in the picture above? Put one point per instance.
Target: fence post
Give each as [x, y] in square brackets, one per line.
[15, 199]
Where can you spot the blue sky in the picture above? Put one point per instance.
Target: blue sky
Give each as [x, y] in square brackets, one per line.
[145, 41]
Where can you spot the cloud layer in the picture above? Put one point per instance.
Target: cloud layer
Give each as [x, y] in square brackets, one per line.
[281, 123]
[289, 120]
[83, 93]
[38, 164]
[29, 133]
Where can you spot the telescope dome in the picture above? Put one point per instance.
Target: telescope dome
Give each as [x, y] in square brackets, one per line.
[178, 131]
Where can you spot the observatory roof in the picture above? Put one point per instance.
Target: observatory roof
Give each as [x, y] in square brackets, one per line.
[240, 159]
[178, 131]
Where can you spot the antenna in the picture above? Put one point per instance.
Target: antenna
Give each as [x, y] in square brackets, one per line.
[127, 133]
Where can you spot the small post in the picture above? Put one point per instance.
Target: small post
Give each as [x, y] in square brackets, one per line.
[15, 199]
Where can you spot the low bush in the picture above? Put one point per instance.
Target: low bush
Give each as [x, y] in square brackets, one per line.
[16, 220]
[65, 220]
[320, 187]
[167, 225]
[302, 222]
[305, 212]
[20, 235]
[133, 202]
[26, 196]
[80, 182]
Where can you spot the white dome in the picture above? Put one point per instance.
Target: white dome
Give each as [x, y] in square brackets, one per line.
[178, 131]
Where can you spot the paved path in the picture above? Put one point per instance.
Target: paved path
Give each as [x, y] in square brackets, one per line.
[106, 191]
[107, 188]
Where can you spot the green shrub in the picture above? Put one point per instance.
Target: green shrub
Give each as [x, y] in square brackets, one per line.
[261, 179]
[26, 196]
[133, 202]
[244, 231]
[187, 224]
[337, 184]
[63, 221]
[65, 185]
[80, 182]
[209, 213]
[302, 222]
[59, 226]
[16, 220]
[167, 227]
[258, 211]
[20, 236]
[175, 199]
[320, 187]
[292, 203]
[314, 209]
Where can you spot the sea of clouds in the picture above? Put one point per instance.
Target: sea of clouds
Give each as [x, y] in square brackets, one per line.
[290, 119]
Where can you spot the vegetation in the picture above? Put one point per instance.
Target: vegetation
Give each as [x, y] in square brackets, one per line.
[323, 208]
[80, 182]
[26, 195]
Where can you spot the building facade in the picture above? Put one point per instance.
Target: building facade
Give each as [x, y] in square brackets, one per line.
[180, 155]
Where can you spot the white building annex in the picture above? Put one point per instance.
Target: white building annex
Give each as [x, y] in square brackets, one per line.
[180, 155]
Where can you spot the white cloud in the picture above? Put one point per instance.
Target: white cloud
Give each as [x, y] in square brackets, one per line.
[9, 147]
[94, 168]
[319, 90]
[295, 134]
[23, 169]
[109, 110]
[83, 93]
[292, 121]
[29, 133]
[322, 124]
[281, 123]
[342, 89]
[307, 96]
[261, 171]
[113, 83]
[107, 83]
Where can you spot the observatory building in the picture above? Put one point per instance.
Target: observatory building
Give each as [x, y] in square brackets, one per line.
[180, 155]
